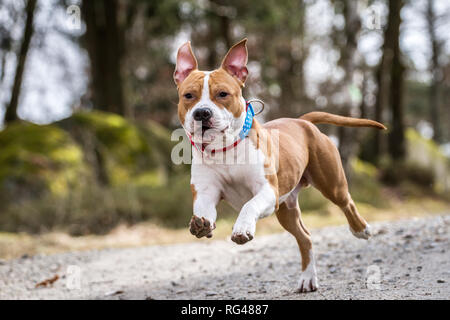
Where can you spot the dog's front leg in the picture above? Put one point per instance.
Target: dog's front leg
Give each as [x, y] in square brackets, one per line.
[260, 206]
[205, 199]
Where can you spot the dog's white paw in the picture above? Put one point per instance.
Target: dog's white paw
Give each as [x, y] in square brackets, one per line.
[308, 282]
[243, 231]
[365, 234]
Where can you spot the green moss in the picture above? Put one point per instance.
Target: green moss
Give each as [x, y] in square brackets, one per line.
[425, 154]
[117, 149]
[360, 167]
[311, 199]
[35, 158]
[57, 175]
[121, 139]
[416, 141]
[364, 184]
[98, 209]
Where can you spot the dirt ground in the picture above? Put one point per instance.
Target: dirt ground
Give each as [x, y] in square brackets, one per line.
[406, 259]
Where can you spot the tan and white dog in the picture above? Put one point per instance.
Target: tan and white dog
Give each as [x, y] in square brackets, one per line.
[296, 156]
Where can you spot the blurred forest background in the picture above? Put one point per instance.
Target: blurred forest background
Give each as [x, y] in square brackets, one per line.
[88, 103]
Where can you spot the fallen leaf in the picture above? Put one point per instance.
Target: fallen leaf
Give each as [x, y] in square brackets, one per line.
[113, 293]
[47, 282]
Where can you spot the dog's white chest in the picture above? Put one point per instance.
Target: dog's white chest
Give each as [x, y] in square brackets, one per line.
[237, 181]
[240, 186]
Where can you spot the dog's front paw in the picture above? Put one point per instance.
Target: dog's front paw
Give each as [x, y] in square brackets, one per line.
[307, 282]
[201, 227]
[243, 231]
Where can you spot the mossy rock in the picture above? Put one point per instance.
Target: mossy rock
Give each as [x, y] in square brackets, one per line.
[364, 184]
[35, 158]
[425, 166]
[55, 176]
[119, 151]
[424, 154]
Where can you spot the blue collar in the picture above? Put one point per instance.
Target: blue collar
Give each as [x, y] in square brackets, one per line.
[247, 122]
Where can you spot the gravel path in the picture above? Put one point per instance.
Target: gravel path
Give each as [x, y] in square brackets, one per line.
[410, 257]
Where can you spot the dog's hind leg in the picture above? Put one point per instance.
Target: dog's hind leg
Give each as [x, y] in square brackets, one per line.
[336, 190]
[358, 226]
[289, 217]
[341, 197]
[328, 177]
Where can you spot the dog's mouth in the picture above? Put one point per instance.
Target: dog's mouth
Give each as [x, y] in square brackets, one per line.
[205, 128]
[209, 134]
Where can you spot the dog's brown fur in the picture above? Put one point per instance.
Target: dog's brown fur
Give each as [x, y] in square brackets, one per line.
[304, 153]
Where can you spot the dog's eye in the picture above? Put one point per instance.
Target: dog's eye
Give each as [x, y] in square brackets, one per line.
[223, 94]
[188, 96]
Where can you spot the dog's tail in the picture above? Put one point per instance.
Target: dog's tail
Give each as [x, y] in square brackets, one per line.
[324, 117]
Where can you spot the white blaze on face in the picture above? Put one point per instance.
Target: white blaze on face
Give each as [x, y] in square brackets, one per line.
[222, 120]
[205, 100]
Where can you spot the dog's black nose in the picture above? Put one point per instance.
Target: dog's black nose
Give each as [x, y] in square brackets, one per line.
[202, 114]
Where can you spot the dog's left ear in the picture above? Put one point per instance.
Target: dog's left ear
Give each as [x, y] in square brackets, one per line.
[235, 62]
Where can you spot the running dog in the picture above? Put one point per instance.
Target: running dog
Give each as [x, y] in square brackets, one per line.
[271, 162]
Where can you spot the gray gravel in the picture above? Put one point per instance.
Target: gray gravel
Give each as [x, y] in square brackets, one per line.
[411, 258]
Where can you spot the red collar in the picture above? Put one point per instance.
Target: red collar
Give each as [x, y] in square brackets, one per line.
[213, 151]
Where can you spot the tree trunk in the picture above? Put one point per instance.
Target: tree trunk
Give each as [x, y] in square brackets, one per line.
[219, 28]
[435, 72]
[11, 110]
[397, 135]
[380, 103]
[104, 43]
[362, 105]
[383, 77]
[291, 52]
[348, 52]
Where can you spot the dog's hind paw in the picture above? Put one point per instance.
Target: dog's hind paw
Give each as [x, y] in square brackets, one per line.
[201, 227]
[364, 234]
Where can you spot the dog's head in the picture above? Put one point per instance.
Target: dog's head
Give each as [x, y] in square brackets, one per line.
[211, 106]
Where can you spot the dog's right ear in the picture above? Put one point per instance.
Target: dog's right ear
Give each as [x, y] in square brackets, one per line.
[186, 63]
